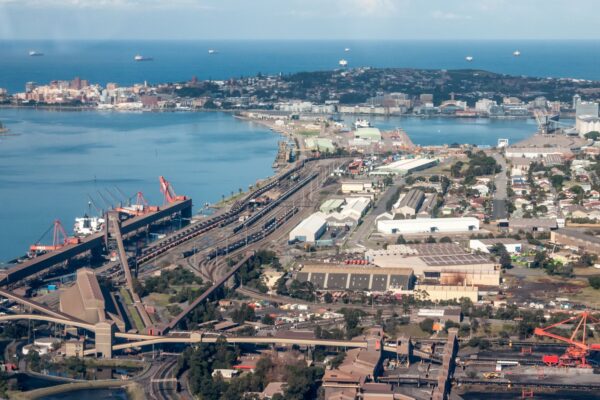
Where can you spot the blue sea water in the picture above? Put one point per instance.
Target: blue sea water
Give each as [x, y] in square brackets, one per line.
[59, 158]
[112, 61]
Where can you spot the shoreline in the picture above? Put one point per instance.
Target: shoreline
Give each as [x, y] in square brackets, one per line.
[250, 110]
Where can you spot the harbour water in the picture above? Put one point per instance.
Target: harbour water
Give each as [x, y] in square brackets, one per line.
[59, 158]
[173, 61]
[439, 131]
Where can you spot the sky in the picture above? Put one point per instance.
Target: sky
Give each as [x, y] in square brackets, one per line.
[298, 19]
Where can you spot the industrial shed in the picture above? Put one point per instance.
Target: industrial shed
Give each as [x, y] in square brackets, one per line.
[428, 225]
[365, 278]
[310, 229]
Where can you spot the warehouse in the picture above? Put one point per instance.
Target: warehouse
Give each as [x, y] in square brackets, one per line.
[357, 186]
[310, 229]
[367, 278]
[512, 246]
[444, 293]
[534, 224]
[441, 262]
[372, 134]
[406, 166]
[409, 204]
[428, 225]
[332, 205]
[576, 240]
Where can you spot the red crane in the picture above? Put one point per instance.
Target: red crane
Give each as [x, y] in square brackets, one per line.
[59, 240]
[579, 350]
[167, 190]
[139, 207]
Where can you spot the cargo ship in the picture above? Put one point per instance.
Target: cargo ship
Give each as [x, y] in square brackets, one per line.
[85, 226]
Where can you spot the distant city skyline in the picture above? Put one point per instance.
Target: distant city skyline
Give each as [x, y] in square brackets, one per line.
[297, 19]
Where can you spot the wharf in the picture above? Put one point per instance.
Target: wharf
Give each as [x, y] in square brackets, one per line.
[89, 243]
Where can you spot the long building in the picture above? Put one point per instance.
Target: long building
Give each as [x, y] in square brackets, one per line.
[427, 225]
[446, 263]
[576, 240]
[368, 278]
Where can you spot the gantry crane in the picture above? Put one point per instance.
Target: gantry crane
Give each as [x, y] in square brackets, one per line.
[139, 207]
[59, 240]
[579, 350]
[167, 190]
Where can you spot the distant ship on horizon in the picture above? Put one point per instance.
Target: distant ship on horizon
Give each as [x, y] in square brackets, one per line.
[343, 63]
[469, 58]
[142, 58]
[347, 49]
[33, 53]
[212, 51]
[516, 53]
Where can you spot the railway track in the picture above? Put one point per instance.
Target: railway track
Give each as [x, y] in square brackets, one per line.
[186, 234]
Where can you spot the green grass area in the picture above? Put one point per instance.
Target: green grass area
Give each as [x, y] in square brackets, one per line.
[588, 296]
[126, 296]
[137, 319]
[308, 133]
[160, 299]
[412, 330]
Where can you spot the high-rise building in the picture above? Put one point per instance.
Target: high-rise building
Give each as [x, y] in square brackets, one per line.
[576, 100]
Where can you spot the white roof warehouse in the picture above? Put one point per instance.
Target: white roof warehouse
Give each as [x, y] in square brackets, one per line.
[427, 225]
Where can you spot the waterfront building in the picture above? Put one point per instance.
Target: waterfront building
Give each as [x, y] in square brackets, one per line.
[586, 108]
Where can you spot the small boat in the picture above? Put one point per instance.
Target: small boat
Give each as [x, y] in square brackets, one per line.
[469, 58]
[33, 53]
[212, 51]
[343, 63]
[516, 53]
[347, 49]
[142, 58]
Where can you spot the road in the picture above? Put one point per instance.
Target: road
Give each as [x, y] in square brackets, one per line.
[363, 231]
[499, 210]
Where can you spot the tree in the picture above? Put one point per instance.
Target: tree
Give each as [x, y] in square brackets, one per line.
[426, 325]
[593, 135]
[400, 240]
[594, 282]
[587, 260]
[328, 298]
[268, 320]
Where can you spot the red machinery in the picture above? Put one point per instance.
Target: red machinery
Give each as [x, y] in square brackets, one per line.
[59, 240]
[140, 207]
[168, 192]
[578, 351]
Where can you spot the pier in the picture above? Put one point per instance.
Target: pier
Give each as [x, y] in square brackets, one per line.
[91, 243]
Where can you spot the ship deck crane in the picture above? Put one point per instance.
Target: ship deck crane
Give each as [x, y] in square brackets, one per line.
[59, 240]
[137, 207]
[579, 350]
[167, 190]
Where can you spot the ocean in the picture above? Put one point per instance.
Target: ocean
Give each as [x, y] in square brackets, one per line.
[112, 61]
